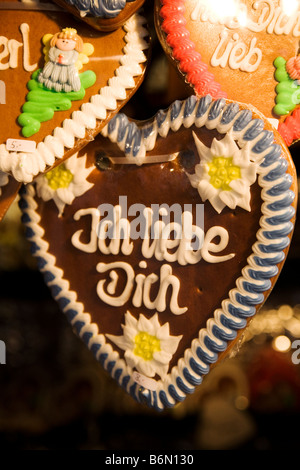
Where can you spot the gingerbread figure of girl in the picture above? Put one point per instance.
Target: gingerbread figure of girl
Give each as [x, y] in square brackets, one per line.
[60, 72]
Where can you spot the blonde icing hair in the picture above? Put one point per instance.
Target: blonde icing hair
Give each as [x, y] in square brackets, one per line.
[68, 33]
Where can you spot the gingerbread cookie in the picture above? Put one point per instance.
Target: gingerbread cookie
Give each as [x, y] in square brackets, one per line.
[160, 240]
[60, 83]
[242, 50]
[103, 15]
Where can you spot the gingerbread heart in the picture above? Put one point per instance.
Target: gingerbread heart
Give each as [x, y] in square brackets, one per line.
[60, 82]
[243, 50]
[160, 241]
[104, 15]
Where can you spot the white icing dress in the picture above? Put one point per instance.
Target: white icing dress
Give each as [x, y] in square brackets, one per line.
[60, 73]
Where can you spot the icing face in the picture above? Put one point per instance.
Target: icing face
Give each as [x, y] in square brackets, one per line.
[65, 44]
[159, 262]
[59, 99]
[231, 49]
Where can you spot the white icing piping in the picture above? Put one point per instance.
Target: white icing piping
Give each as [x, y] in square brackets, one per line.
[25, 166]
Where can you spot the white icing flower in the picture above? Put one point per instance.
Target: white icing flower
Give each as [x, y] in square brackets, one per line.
[224, 174]
[65, 182]
[4, 179]
[148, 345]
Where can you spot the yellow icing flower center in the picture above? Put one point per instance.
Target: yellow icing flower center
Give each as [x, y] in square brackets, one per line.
[59, 177]
[146, 345]
[222, 171]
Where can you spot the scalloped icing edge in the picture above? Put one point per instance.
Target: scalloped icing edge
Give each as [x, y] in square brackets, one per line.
[25, 166]
[273, 238]
[201, 80]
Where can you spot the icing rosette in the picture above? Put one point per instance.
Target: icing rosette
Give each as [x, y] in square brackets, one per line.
[293, 68]
[224, 174]
[149, 346]
[65, 182]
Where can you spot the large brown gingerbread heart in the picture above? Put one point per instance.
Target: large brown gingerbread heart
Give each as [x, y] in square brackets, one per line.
[160, 241]
[60, 82]
[245, 50]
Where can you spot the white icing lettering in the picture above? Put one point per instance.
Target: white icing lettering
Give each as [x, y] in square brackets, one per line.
[120, 300]
[91, 246]
[142, 285]
[236, 54]
[209, 246]
[183, 243]
[186, 248]
[11, 48]
[278, 20]
[4, 53]
[26, 51]
[2, 92]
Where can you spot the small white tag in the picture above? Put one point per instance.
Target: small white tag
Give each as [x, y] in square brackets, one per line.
[150, 384]
[20, 145]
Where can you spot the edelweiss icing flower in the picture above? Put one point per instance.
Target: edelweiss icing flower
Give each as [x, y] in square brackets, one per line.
[148, 346]
[224, 174]
[293, 68]
[65, 182]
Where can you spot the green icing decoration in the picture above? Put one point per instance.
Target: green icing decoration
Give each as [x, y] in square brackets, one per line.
[288, 92]
[42, 103]
[59, 177]
[222, 171]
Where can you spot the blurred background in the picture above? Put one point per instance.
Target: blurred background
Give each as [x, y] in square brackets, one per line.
[54, 395]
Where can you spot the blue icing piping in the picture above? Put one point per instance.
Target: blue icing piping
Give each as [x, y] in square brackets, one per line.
[264, 142]
[223, 335]
[191, 378]
[280, 219]
[281, 187]
[133, 140]
[183, 387]
[216, 109]
[256, 288]
[243, 120]
[272, 156]
[254, 130]
[160, 117]
[189, 106]
[203, 105]
[268, 262]
[100, 8]
[173, 392]
[198, 368]
[239, 312]
[230, 112]
[261, 275]
[213, 345]
[175, 109]
[205, 357]
[282, 203]
[274, 234]
[278, 171]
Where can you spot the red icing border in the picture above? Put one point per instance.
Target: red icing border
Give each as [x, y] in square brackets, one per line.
[184, 51]
[196, 71]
